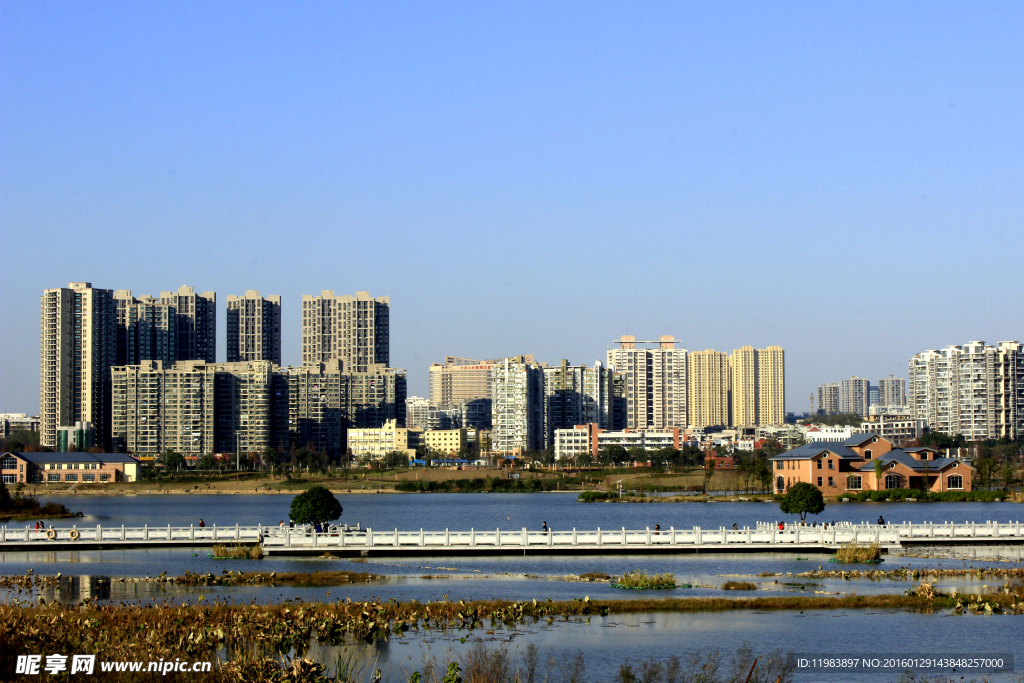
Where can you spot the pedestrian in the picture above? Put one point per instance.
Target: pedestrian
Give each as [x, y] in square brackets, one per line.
[881, 520]
[544, 527]
[291, 524]
[782, 526]
[657, 528]
[735, 527]
[281, 524]
[201, 524]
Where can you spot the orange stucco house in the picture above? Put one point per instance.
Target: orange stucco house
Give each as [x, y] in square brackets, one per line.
[850, 467]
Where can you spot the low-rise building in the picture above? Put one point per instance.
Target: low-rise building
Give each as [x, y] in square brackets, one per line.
[902, 430]
[377, 442]
[590, 438]
[17, 422]
[72, 468]
[445, 441]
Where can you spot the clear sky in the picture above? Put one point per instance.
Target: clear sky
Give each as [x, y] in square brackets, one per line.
[843, 179]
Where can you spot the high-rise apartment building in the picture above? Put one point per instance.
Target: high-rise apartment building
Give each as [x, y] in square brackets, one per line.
[758, 386]
[78, 346]
[147, 329]
[654, 382]
[317, 409]
[828, 399]
[517, 406]
[353, 329]
[853, 396]
[157, 407]
[708, 388]
[254, 327]
[975, 390]
[576, 395]
[892, 392]
[461, 379]
[197, 323]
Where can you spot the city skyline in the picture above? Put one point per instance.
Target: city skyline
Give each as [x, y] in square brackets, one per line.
[224, 335]
[504, 175]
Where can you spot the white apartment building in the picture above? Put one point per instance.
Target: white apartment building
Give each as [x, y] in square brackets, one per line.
[901, 430]
[655, 382]
[517, 405]
[854, 396]
[975, 390]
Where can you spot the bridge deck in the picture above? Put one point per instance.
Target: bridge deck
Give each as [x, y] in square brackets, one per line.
[279, 540]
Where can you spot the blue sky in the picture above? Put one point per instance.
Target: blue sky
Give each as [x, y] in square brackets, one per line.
[843, 179]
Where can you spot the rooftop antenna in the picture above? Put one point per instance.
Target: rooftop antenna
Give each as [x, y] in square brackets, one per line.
[812, 404]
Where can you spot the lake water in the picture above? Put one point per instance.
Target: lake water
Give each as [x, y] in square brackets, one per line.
[462, 511]
[609, 641]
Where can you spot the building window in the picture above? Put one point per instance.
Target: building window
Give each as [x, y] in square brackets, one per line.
[52, 477]
[88, 478]
[819, 481]
[955, 481]
[853, 483]
[831, 464]
[10, 478]
[8, 462]
[104, 478]
[778, 464]
[892, 481]
[867, 455]
[831, 483]
[70, 477]
[819, 464]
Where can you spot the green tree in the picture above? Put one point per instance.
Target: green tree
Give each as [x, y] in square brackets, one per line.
[709, 471]
[172, 460]
[801, 499]
[317, 504]
[396, 459]
[879, 471]
[207, 462]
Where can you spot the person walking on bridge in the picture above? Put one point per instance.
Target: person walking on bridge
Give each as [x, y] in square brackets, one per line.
[881, 520]
[202, 524]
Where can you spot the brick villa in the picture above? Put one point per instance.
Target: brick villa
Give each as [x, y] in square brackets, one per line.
[838, 468]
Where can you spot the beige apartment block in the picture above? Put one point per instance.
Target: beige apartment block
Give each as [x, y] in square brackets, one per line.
[197, 323]
[445, 441]
[317, 410]
[708, 388]
[517, 405]
[254, 327]
[377, 442]
[78, 346]
[892, 392]
[575, 395]
[158, 407]
[771, 387]
[353, 329]
[461, 379]
[654, 382]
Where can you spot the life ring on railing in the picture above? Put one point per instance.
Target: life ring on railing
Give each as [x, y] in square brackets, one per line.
[74, 534]
[51, 534]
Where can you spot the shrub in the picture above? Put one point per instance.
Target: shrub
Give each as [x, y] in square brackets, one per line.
[592, 496]
[641, 579]
[739, 586]
[858, 553]
[241, 551]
